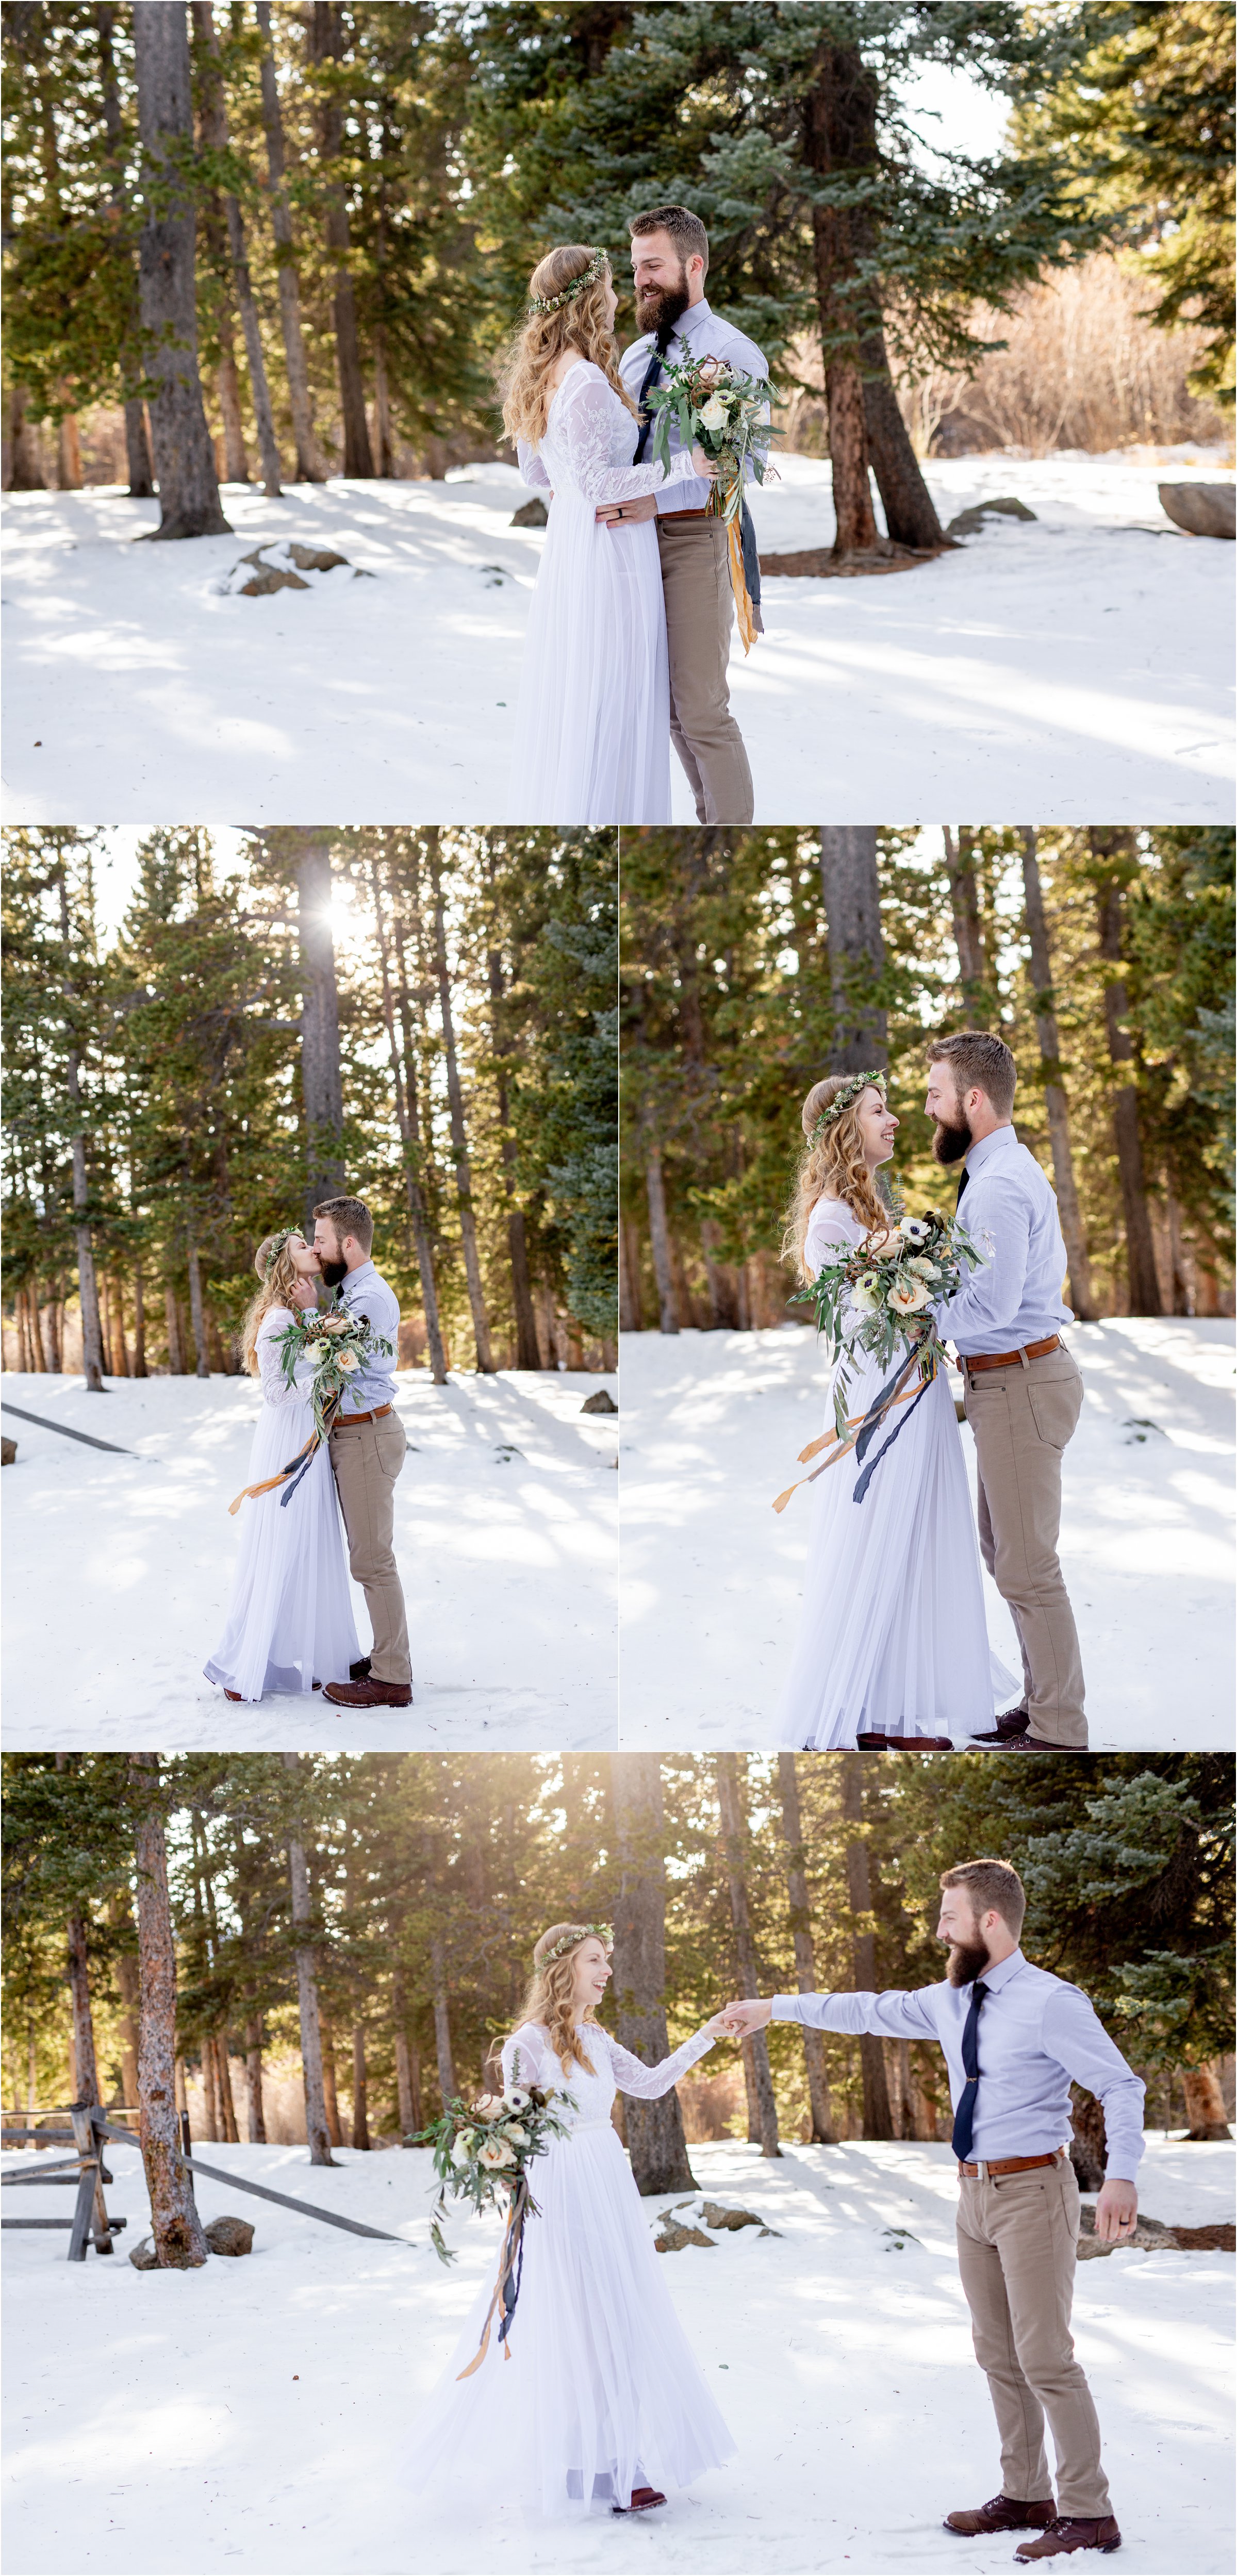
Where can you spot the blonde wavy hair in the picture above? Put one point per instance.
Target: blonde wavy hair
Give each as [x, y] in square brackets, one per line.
[549, 1999]
[524, 375]
[275, 1291]
[834, 1167]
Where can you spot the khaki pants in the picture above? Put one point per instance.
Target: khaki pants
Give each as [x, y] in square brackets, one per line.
[695, 573]
[1022, 1418]
[366, 1458]
[1016, 2241]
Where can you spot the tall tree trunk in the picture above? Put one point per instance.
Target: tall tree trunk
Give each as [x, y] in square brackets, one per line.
[311, 466]
[877, 2117]
[330, 2082]
[68, 454]
[455, 1096]
[823, 2131]
[910, 512]
[407, 2068]
[327, 46]
[755, 2049]
[87, 1285]
[87, 2076]
[307, 1990]
[404, 1078]
[967, 926]
[1055, 1104]
[321, 1078]
[255, 2121]
[447, 2085]
[1112, 853]
[1204, 2102]
[631, 1306]
[655, 2138]
[212, 2108]
[129, 1986]
[851, 890]
[830, 114]
[179, 2241]
[197, 1315]
[139, 1322]
[527, 1355]
[184, 457]
[231, 2125]
[659, 1231]
[360, 2089]
[204, 20]
[176, 1354]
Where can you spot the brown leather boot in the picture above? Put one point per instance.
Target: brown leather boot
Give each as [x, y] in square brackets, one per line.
[1003, 2513]
[369, 1694]
[1066, 2532]
[643, 2500]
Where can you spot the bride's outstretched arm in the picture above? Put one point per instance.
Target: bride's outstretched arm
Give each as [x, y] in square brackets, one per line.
[648, 2083]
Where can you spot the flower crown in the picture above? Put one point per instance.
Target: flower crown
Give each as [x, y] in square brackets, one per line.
[571, 1940]
[277, 1247]
[599, 260]
[842, 1100]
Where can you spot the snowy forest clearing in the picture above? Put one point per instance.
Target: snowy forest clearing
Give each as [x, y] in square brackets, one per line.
[1074, 666]
[254, 2415]
[713, 1425]
[119, 1568]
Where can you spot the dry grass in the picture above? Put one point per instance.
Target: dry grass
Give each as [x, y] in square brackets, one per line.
[1083, 368]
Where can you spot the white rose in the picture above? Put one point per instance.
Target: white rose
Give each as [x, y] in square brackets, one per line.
[315, 1351]
[907, 1296]
[347, 1359]
[495, 2154]
[462, 2150]
[923, 1269]
[714, 414]
[516, 2136]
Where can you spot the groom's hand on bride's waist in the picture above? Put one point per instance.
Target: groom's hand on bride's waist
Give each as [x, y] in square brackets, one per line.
[742, 2018]
[623, 514]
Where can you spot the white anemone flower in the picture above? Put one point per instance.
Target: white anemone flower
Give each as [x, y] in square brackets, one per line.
[867, 1293]
[915, 1230]
[516, 2099]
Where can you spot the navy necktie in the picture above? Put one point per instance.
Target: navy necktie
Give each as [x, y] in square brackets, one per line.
[963, 1178]
[964, 2116]
[651, 374]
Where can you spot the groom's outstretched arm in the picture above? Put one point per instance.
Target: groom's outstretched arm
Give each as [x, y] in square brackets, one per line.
[898, 2015]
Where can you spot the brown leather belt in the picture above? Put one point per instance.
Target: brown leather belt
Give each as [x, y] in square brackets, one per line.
[1010, 1359]
[1010, 2164]
[343, 1420]
[664, 517]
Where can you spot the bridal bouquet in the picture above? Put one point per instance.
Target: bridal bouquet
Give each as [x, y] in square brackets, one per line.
[336, 1343]
[482, 2153]
[725, 412]
[879, 1297]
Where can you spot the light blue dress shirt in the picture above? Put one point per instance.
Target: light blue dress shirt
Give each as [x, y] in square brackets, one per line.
[365, 1292]
[701, 333]
[1035, 2034]
[1017, 1297]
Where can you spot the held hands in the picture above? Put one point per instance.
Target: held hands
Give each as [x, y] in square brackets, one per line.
[1116, 2212]
[739, 2020]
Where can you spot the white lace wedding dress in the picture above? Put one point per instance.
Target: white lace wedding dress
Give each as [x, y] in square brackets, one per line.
[289, 1620]
[602, 2392]
[593, 731]
[893, 1639]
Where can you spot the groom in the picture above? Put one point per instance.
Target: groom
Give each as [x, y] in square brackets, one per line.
[1023, 1389]
[669, 257]
[1013, 2037]
[368, 1448]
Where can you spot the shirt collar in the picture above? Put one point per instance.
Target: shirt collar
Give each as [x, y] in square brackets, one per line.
[689, 323]
[995, 1978]
[361, 1276]
[998, 1142]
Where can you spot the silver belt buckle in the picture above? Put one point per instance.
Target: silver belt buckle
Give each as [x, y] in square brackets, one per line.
[981, 2168]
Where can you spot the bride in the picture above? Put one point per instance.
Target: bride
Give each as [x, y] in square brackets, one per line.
[593, 730]
[893, 1644]
[601, 2403]
[289, 1624]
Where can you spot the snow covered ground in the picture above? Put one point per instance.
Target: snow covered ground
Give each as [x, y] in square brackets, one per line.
[253, 2415]
[1076, 667]
[118, 1569]
[711, 1577]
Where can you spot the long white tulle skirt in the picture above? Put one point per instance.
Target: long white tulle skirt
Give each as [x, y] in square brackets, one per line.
[602, 2392]
[592, 738]
[893, 1638]
[289, 1621]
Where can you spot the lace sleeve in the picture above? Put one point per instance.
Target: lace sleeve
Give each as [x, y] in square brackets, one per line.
[648, 2083]
[826, 1225]
[275, 1387]
[586, 430]
[529, 2048]
[531, 468]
